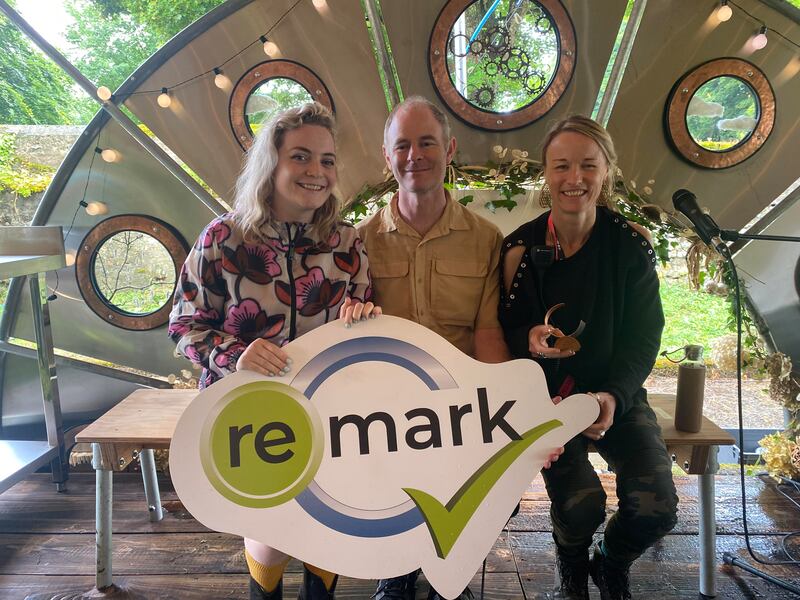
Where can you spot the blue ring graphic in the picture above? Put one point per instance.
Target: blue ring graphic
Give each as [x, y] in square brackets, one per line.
[377, 349]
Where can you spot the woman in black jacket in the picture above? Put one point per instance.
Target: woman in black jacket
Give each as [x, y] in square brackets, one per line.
[580, 296]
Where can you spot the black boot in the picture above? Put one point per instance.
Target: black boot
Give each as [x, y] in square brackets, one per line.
[397, 588]
[313, 587]
[465, 595]
[572, 578]
[613, 582]
[258, 593]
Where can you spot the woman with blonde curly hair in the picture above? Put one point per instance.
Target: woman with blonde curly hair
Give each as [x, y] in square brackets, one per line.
[279, 265]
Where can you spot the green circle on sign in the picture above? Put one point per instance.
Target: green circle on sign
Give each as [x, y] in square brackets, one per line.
[263, 444]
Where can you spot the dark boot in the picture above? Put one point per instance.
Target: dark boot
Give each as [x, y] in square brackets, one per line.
[313, 587]
[258, 593]
[572, 579]
[465, 595]
[613, 582]
[397, 588]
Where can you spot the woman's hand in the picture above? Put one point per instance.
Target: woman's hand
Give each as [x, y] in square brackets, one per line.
[353, 312]
[264, 357]
[553, 457]
[537, 342]
[608, 403]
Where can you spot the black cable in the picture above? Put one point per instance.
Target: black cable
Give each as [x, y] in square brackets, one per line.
[738, 300]
[185, 81]
[760, 22]
[81, 203]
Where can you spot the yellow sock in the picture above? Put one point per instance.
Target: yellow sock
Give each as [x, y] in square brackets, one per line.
[268, 577]
[327, 577]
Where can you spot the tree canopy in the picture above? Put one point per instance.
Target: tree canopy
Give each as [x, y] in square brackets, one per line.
[109, 39]
[33, 90]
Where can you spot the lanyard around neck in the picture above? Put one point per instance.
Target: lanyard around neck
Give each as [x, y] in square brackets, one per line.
[559, 253]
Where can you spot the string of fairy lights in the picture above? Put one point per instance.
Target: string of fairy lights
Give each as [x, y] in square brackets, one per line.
[164, 98]
[759, 39]
[723, 13]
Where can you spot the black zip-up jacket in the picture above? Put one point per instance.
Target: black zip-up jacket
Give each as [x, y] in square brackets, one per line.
[610, 284]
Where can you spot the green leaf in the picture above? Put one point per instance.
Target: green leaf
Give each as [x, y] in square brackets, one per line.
[467, 199]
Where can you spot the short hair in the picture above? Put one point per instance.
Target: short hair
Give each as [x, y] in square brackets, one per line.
[256, 183]
[595, 132]
[437, 112]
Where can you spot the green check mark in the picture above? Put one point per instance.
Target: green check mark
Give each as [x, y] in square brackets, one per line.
[446, 523]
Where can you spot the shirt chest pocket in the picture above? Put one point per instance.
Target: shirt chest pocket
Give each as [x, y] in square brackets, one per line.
[456, 290]
[391, 285]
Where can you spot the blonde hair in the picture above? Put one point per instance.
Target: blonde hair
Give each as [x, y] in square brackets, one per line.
[594, 131]
[256, 182]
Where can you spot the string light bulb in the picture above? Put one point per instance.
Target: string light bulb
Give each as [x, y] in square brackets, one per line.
[164, 99]
[109, 155]
[270, 48]
[69, 257]
[220, 79]
[319, 3]
[760, 39]
[104, 93]
[724, 12]
[96, 208]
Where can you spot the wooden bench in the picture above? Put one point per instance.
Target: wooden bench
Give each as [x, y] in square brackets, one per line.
[146, 420]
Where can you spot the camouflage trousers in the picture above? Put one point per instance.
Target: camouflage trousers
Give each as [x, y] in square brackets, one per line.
[635, 450]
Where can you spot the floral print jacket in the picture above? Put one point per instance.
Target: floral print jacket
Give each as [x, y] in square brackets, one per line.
[232, 292]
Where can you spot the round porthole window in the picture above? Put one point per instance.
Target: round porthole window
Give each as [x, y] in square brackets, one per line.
[127, 268]
[720, 113]
[269, 88]
[133, 273]
[502, 65]
[270, 98]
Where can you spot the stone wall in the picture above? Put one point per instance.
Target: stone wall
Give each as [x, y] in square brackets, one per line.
[16, 210]
[38, 144]
[43, 144]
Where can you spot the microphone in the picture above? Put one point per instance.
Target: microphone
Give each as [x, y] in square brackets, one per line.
[705, 226]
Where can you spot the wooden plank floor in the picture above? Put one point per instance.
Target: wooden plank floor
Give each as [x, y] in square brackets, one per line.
[47, 547]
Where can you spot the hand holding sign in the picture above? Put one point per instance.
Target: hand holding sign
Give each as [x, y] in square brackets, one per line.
[385, 449]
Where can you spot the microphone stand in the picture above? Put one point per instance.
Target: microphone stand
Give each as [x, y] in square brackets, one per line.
[732, 236]
[727, 557]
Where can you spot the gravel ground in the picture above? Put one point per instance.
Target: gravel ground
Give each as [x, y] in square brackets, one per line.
[758, 409]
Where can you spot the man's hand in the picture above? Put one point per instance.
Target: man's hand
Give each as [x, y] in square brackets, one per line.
[264, 357]
[608, 404]
[353, 312]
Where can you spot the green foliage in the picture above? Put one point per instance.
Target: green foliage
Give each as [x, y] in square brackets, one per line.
[162, 18]
[503, 72]
[33, 90]
[114, 37]
[20, 177]
[736, 98]
[691, 317]
[272, 97]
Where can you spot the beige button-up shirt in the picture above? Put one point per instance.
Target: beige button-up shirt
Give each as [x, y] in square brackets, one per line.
[447, 280]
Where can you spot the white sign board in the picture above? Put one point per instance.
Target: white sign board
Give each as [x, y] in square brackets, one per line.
[384, 450]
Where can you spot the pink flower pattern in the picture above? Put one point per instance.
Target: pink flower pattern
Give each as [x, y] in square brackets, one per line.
[232, 293]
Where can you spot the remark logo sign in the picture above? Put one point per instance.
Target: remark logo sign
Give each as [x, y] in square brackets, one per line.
[387, 449]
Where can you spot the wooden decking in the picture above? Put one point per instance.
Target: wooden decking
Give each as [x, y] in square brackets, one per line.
[47, 547]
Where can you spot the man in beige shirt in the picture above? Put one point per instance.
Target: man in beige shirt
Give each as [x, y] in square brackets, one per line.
[432, 260]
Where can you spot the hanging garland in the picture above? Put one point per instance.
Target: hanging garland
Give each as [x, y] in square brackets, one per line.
[513, 174]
